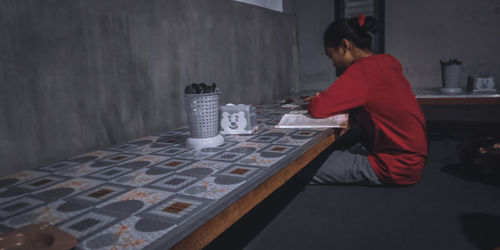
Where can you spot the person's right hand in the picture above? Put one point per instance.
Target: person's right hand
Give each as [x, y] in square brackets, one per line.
[308, 98]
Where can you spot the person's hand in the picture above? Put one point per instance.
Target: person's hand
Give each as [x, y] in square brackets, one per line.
[308, 98]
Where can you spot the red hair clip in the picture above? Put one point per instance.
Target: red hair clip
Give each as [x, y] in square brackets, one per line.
[361, 20]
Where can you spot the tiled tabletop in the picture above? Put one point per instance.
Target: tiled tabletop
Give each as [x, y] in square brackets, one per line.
[152, 192]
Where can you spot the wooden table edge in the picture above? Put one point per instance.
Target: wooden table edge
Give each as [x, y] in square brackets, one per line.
[219, 223]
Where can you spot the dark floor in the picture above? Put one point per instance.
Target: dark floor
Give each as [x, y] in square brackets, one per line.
[447, 209]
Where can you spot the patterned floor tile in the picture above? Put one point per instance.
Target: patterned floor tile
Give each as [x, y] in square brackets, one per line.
[203, 168]
[135, 200]
[99, 194]
[138, 178]
[176, 209]
[174, 132]
[293, 141]
[238, 138]
[228, 156]
[58, 166]
[145, 140]
[20, 177]
[124, 235]
[305, 133]
[256, 159]
[67, 188]
[17, 206]
[199, 154]
[119, 158]
[174, 182]
[275, 133]
[110, 173]
[207, 188]
[145, 161]
[278, 131]
[45, 214]
[265, 138]
[148, 149]
[123, 147]
[43, 182]
[82, 169]
[172, 151]
[95, 155]
[172, 140]
[240, 171]
[227, 144]
[173, 164]
[88, 223]
[270, 124]
[12, 193]
[278, 150]
[246, 147]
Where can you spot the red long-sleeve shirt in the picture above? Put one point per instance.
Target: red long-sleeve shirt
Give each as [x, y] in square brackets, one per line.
[380, 97]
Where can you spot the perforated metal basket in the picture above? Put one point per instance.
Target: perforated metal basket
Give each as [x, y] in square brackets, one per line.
[202, 112]
[451, 75]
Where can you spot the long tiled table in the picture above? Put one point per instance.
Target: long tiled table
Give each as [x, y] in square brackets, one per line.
[155, 192]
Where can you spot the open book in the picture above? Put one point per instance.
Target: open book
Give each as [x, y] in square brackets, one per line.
[301, 119]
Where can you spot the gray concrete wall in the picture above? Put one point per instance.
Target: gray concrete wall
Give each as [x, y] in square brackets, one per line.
[316, 69]
[80, 75]
[420, 33]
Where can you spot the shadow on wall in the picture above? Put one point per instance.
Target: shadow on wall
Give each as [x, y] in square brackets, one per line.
[482, 230]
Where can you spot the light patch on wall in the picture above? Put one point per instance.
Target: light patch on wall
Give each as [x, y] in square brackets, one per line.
[276, 5]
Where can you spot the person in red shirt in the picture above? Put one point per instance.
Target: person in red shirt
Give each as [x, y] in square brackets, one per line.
[377, 95]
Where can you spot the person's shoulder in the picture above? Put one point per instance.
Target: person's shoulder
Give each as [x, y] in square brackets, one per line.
[375, 61]
[367, 65]
[380, 57]
[388, 57]
[388, 60]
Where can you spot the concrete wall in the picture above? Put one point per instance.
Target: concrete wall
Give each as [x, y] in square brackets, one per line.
[420, 33]
[79, 75]
[276, 5]
[316, 69]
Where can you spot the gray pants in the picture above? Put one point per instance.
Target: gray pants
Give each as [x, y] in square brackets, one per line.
[346, 166]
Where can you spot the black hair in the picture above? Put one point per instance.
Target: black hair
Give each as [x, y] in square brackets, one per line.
[350, 29]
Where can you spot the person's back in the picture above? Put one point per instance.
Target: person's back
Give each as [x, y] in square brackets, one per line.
[399, 141]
